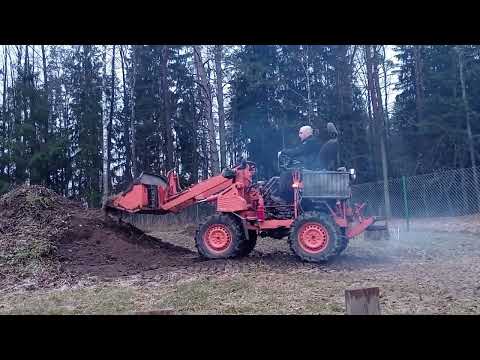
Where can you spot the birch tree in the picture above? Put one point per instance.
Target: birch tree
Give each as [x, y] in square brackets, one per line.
[105, 126]
[206, 99]
[221, 108]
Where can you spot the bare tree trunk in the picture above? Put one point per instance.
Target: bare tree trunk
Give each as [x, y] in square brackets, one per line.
[306, 70]
[341, 71]
[221, 109]
[64, 122]
[5, 70]
[33, 62]
[45, 82]
[105, 126]
[344, 73]
[204, 147]
[195, 132]
[385, 90]
[110, 120]
[126, 121]
[3, 134]
[207, 105]
[4, 103]
[25, 72]
[195, 165]
[375, 96]
[381, 126]
[467, 120]
[418, 82]
[167, 126]
[372, 143]
[10, 120]
[44, 60]
[132, 109]
[26, 168]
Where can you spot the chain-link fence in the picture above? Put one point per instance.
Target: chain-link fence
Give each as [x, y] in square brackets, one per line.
[441, 194]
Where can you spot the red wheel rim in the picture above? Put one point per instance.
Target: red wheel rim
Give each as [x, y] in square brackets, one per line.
[313, 237]
[217, 238]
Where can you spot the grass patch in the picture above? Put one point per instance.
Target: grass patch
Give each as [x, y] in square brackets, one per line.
[240, 294]
[96, 300]
[263, 293]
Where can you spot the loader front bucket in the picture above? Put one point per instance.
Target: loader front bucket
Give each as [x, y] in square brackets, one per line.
[144, 195]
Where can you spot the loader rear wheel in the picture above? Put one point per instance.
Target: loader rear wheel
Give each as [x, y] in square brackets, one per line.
[220, 237]
[314, 237]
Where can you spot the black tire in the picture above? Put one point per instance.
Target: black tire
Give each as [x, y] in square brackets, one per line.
[250, 243]
[324, 225]
[227, 228]
[343, 243]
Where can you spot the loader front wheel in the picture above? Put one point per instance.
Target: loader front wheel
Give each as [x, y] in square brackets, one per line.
[220, 237]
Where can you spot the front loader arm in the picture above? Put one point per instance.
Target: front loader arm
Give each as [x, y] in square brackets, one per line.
[196, 193]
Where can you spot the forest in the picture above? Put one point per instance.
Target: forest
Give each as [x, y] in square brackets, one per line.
[84, 120]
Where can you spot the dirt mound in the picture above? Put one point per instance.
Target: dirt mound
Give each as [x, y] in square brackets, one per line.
[31, 219]
[47, 238]
[94, 246]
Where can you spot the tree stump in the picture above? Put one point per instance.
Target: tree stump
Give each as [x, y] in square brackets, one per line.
[362, 301]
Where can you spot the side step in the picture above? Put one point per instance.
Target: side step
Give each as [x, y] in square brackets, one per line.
[375, 226]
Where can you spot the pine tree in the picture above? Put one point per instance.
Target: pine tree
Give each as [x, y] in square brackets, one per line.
[87, 115]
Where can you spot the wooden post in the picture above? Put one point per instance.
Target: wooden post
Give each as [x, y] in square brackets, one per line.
[362, 301]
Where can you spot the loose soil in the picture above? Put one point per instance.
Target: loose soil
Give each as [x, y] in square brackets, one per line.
[46, 240]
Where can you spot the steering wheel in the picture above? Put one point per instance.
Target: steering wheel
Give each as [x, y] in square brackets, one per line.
[286, 162]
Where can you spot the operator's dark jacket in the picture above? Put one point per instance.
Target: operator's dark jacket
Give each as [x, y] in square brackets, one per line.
[306, 152]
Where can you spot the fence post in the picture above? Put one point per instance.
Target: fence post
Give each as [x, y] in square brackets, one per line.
[405, 201]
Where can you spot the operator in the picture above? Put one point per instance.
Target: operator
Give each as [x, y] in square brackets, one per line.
[306, 153]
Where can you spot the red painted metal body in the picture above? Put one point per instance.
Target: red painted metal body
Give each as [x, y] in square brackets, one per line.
[297, 185]
[199, 192]
[233, 195]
